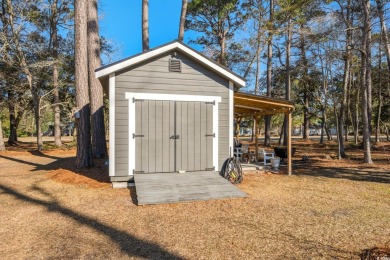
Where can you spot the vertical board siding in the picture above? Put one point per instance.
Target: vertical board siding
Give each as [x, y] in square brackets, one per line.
[154, 77]
[152, 136]
[197, 138]
[158, 147]
[138, 131]
[209, 139]
[203, 130]
[190, 147]
[182, 121]
[145, 132]
[154, 150]
[159, 135]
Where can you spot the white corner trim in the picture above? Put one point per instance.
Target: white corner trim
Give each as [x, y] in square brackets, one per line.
[231, 117]
[111, 162]
[216, 138]
[131, 96]
[142, 57]
[131, 154]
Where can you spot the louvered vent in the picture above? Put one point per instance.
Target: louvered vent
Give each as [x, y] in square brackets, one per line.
[174, 65]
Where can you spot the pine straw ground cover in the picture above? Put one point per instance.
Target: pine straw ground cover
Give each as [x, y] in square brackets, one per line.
[327, 209]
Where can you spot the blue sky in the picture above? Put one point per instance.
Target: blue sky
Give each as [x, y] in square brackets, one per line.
[120, 22]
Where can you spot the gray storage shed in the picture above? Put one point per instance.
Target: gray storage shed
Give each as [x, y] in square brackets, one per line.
[171, 110]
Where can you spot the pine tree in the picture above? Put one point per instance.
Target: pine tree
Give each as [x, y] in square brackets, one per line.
[84, 155]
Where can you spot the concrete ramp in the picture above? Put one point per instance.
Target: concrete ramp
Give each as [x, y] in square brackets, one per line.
[160, 188]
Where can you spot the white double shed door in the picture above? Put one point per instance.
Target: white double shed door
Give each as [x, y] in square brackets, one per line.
[171, 133]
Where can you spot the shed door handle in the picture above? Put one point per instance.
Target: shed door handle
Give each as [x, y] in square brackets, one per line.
[175, 137]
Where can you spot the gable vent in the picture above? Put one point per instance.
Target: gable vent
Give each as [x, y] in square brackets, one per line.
[174, 65]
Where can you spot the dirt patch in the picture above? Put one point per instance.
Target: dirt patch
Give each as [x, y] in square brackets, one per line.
[73, 178]
[375, 254]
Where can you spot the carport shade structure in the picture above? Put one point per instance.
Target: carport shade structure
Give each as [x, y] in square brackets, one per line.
[248, 105]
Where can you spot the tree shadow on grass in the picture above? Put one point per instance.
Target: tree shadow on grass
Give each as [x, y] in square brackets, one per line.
[129, 244]
[98, 173]
[363, 173]
[40, 154]
[133, 195]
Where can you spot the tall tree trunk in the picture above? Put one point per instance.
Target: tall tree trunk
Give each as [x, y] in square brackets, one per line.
[145, 25]
[37, 112]
[13, 120]
[256, 57]
[222, 58]
[379, 5]
[348, 107]
[56, 108]
[288, 79]
[281, 136]
[254, 128]
[257, 73]
[324, 72]
[267, 119]
[387, 132]
[355, 117]
[378, 116]
[366, 81]
[306, 118]
[184, 4]
[2, 145]
[305, 81]
[99, 146]
[258, 50]
[327, 131]
[347, 66]
[343, 105]
[237, 130]
[322, 128]
[84, 155]
[26, 70]
[377, 128]
[337, 132]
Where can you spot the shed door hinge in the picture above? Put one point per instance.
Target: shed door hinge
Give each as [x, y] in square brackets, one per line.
[134, 136]
[210, 103]
[134, 171]
[213, 135]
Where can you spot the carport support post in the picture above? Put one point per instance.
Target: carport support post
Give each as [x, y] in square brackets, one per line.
[238, 121]
[256, 122]
[289, 159]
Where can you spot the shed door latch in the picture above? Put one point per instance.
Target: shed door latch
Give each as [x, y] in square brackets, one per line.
[134, 136]
[175, 137]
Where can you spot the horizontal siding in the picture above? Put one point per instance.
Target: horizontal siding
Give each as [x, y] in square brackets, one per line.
[143, 75]
[121, 172]
[154, 77]
[175, 83]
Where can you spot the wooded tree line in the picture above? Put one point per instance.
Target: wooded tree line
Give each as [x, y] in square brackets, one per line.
[332, 58]
[38, 60]
[36, 63]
